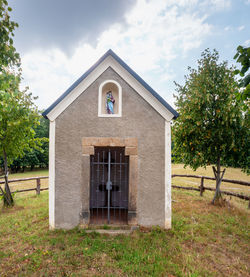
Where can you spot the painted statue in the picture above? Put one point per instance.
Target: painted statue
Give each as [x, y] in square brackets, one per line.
[110, 102]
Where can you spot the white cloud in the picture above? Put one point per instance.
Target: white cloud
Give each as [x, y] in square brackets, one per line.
[242, 27]
[247, 43]
[216, 5]
[221, 4]
[157, 32]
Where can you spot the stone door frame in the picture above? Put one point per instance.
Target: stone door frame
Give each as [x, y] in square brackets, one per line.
[131, 150]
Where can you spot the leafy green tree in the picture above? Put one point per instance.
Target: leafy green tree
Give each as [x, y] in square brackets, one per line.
[37, 157]
[18, 115]
[30, 159]
[243, 57]
[210, 128]
[8, 55]
[42, 132]
[14, 166]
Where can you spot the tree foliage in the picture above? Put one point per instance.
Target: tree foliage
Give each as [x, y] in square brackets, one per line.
[8, 55]
[210, 128]
[243, 57]
[18, 114]
[37, 157]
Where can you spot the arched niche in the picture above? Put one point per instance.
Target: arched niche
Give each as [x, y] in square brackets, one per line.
[115, 88]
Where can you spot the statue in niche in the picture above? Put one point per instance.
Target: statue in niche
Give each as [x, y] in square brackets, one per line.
[110, 102]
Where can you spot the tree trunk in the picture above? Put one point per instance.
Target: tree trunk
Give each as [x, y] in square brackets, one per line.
[218, 174]
[8, 200]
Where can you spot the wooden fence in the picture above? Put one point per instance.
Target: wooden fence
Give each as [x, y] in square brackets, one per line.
[202, 188]
[38, 188]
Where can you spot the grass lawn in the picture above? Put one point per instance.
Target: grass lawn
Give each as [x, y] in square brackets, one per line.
[230, 173]
[27, 174]
[204, 240]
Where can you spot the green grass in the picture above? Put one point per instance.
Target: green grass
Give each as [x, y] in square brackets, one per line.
[27, 174]
[204, 241]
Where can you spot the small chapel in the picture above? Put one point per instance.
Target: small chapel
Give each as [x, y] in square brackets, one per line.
[110, 150]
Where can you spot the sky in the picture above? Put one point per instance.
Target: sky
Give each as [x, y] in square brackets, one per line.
[59, 40]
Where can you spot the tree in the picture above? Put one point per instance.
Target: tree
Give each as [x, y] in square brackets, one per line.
[42, 132]
[8, 55]
[210, 127]
[37, 157]
[243, 57]
[17, 110]
[18, 115]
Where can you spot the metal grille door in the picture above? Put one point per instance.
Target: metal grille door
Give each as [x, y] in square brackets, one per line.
[109, 186]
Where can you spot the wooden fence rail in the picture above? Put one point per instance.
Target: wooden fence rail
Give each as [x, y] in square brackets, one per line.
[38, 188]
[25, 179]
[202, 188]
[243, 183]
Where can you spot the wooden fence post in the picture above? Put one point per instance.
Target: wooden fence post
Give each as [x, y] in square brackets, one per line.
[202, 186]
[38, 186]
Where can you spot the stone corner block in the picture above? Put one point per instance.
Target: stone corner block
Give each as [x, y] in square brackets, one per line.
[132, 142]
[89, 150]
[84, 219]
[132, 218]
[130, 151]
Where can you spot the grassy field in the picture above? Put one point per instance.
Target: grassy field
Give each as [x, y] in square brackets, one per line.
[204, 241]
[27, 174]
[230, 173]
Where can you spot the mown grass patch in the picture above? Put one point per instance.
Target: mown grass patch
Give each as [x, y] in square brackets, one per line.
[34, 173]
[204, 241]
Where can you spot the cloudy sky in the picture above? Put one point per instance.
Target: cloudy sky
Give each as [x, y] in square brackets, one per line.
[60, 39]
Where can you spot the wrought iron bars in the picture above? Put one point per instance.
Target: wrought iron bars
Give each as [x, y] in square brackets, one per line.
[109, 185]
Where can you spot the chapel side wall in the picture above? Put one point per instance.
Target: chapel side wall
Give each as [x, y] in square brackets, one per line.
[67, 171]
[80, 120]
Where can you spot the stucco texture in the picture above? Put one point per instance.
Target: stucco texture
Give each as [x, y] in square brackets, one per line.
[139, 120]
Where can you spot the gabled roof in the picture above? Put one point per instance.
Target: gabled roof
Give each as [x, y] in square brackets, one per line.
[127, 68]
